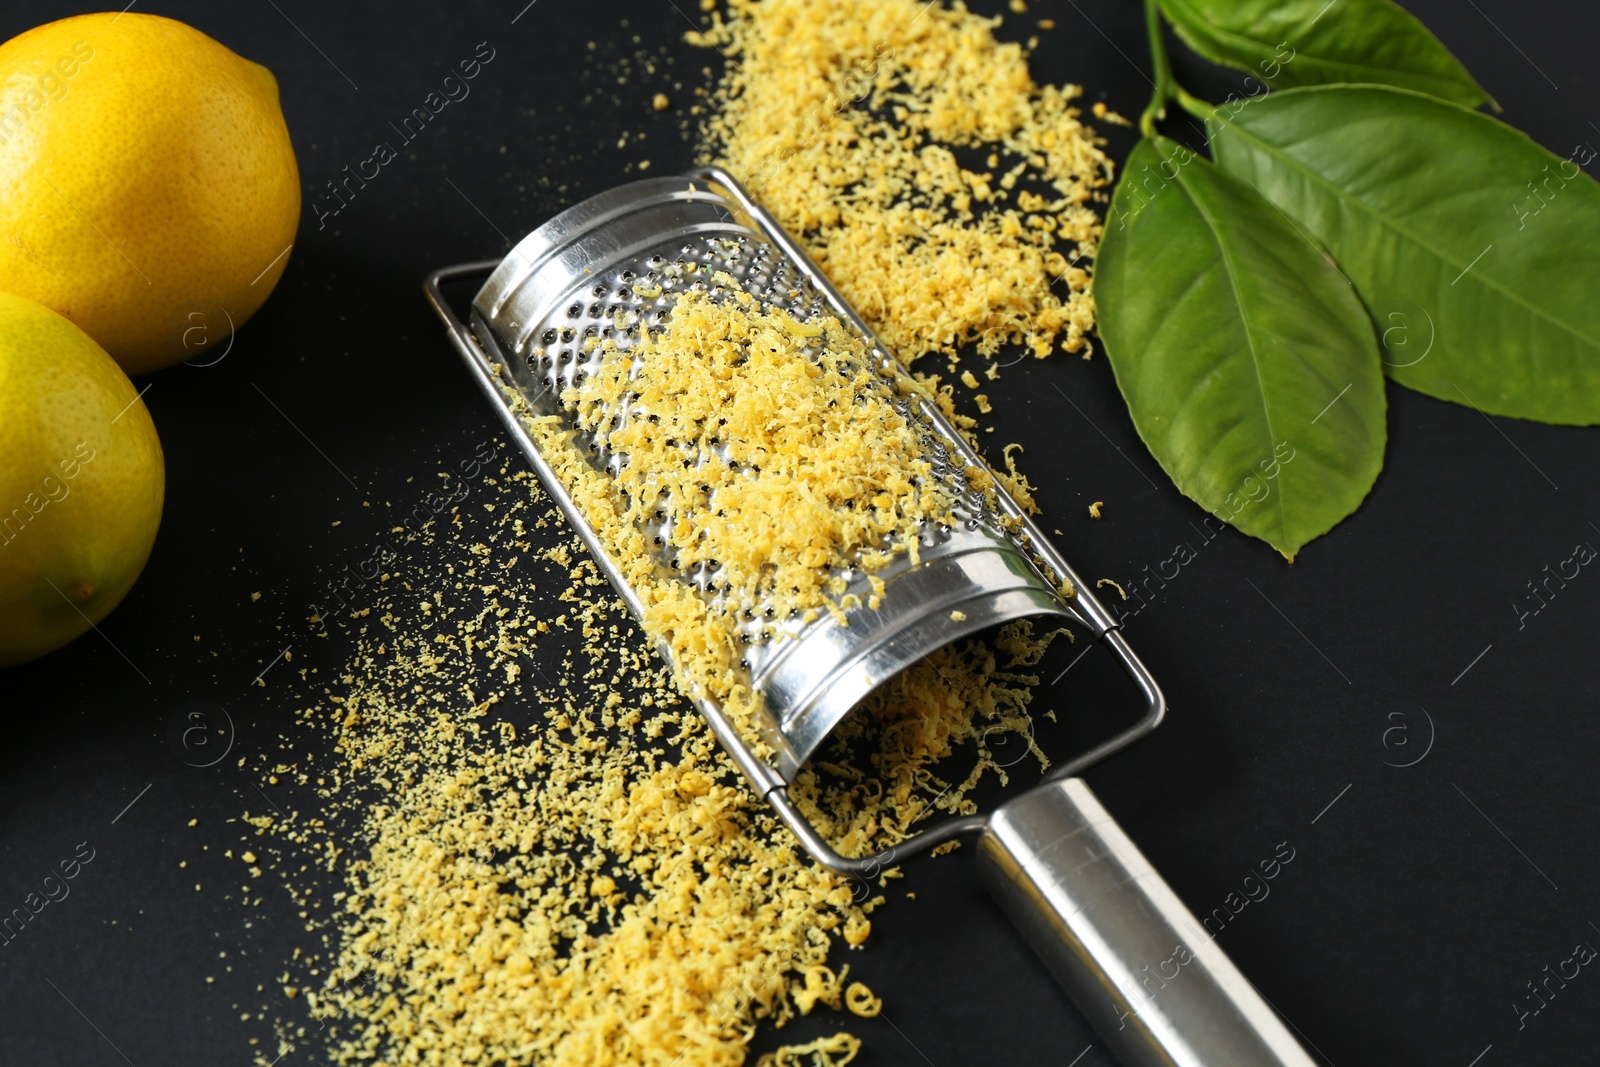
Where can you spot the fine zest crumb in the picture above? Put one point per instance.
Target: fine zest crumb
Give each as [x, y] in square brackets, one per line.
[1106, 114]
[861, 1001]
[958, 616]
[660, 102]
[1094, 509]
[835, 1051]
[1103, 582]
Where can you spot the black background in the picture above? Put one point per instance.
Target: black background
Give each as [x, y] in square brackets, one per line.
[1417, 906]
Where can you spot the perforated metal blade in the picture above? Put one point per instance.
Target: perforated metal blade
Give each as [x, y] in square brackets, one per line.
[610, 269]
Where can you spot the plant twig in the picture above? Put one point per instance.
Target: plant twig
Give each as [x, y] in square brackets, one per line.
[1195, 106]
[1157, 108]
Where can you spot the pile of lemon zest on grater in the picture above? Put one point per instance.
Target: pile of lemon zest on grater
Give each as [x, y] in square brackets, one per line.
[810, 464]
[768, 453]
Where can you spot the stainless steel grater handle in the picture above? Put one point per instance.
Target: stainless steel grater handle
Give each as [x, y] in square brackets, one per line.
[1131, 955]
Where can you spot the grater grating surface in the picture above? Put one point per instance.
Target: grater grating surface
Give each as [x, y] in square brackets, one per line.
[583, 289]
[606, 311]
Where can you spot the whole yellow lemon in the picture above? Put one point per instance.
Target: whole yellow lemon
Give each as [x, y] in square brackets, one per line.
[147, 183]
[81, 482]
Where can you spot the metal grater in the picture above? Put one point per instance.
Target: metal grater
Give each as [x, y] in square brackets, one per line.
[610, 268]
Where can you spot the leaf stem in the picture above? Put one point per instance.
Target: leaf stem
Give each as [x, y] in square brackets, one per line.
[1164, 85]
[1191, 103]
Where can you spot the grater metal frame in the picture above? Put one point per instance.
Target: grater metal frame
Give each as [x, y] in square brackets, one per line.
[1082, 605]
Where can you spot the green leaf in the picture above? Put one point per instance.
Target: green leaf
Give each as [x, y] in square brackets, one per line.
[1248, 364]
[1480, 247]
[1313, 42]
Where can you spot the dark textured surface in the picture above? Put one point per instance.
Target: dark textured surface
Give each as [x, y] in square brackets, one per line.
[1417, 906]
